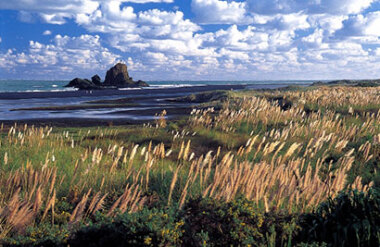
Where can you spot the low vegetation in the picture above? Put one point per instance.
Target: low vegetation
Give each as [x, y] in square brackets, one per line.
[259, 168]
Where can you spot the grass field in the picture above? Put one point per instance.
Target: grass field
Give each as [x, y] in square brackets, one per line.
[252, 168]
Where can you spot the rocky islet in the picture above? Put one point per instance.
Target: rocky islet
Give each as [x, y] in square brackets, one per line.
[116, 77]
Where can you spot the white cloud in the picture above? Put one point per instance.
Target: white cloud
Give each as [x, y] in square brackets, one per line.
[149, 1]
[270, 7]
[259, 39]
[46, 32]
[156, 23]
[360, 25]
[151, 30]
[244, 40]
[56, 12]
[377, 52]
[217, 11]
[292, 22]
[123, 22]
[52, 11]
[65, 57]
[250, 39]
[315, 39]
[328, 23]
[343, 6]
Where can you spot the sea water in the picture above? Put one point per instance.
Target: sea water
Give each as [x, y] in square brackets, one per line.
[25, 100]
[53, 86]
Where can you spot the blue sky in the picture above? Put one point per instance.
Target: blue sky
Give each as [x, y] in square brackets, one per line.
[191, 39]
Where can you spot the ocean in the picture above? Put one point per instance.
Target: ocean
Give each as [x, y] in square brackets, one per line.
[49, 102]
[56, 86]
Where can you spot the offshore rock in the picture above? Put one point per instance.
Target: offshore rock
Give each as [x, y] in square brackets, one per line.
[96, 80]
[116, 77]
[82, 84]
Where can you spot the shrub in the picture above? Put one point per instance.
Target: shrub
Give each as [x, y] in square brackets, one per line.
[214, 223]
[351, 219]
[145, 228]
[280, 228]
[43, 235]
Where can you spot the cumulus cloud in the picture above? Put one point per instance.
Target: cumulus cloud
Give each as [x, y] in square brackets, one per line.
[149, 1]
[50, 10]
[270, 7]
[361, 25]
[152, 22]
[265, 39]
[217, 12]
[46, 32]
[65, 57]
[56, 12]
[153, 30]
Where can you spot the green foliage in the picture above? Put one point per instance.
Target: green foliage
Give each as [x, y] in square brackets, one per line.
[213, 223]
[352, 219]
[43, 235]
[368, 84]
[145, 228]
[280, 229]
[313, 244]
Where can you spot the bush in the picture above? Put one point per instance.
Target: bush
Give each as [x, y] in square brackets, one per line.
[145, 228]
[44, 235]
[280, 228]
[213, 223]
[351, 219]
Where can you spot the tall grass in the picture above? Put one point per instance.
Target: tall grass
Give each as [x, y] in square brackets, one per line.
[282, 158]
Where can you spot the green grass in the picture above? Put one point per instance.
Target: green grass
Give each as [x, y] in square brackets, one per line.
[285, 116]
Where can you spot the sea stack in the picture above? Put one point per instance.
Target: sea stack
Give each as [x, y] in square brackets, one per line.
[116, 77]
[82, 84]
[96, 80]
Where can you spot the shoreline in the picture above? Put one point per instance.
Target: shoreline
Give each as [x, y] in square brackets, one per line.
[112, 92]
[71, 122]
[89, 108]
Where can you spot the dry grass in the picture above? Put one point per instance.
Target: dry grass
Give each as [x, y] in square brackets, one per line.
[284, 164]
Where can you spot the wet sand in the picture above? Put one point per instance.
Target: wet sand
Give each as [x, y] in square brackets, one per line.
[104, 107]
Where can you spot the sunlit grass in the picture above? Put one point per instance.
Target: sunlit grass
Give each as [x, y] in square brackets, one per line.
[284, 150]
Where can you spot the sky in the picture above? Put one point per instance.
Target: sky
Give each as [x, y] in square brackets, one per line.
[191, 39]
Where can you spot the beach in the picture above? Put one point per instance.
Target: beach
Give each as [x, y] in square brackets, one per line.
[106, 107]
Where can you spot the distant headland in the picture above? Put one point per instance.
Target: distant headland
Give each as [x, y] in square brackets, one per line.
[116, 77]
[359, 83]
